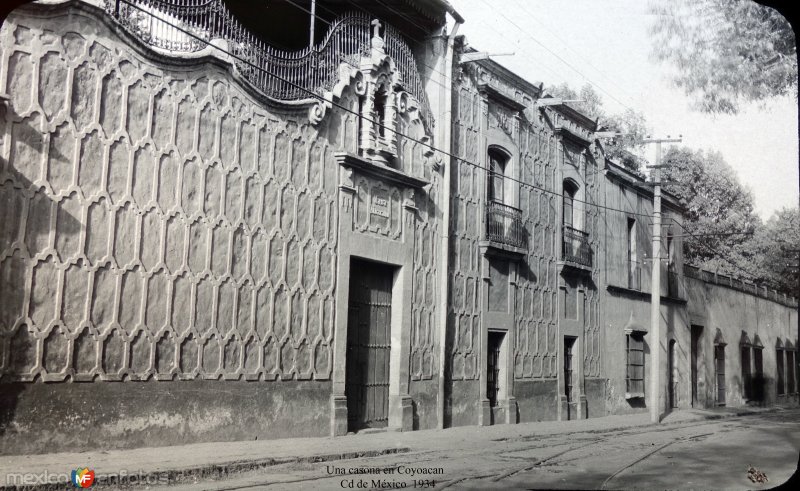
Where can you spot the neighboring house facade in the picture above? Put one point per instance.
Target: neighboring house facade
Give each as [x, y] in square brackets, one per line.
[207, 238]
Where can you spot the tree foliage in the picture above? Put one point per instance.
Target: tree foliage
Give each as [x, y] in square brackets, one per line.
[774, 250]
[725, 52]
[719, 210]
[630, 123]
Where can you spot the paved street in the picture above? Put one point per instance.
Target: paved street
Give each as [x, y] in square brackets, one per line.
[711, 454]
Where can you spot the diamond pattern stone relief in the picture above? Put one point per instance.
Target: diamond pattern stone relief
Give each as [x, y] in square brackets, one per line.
[156, 222]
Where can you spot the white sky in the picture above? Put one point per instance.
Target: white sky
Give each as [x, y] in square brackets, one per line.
[606, 43]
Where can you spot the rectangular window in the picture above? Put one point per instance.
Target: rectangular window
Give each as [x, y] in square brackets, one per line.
[568, 209]
[791, 389]
[635, 376]
[672, 277]
[719, 369]
[758, 374]
[779, 364]
[493, 367]
[496, 173]
[633, 265]
[796, 373]
[569, 372]
[746, 377]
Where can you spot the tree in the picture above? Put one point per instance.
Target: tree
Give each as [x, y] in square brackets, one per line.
[719, 211]
[725, 52]
[630, 123]
[774, 251]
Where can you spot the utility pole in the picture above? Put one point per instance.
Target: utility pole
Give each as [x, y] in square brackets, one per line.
[656, 391]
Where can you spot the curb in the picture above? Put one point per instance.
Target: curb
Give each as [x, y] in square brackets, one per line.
[204, 472]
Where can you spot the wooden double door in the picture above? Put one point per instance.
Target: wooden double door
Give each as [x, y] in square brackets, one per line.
[368, 345]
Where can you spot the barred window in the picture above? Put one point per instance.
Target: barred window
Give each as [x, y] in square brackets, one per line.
[747, 379]
[635, 376]
[779, 364]
[719, 370]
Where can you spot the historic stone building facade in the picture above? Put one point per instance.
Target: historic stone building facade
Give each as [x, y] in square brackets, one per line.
[205, 238]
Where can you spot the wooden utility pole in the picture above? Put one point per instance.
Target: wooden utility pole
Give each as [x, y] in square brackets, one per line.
[656, 401]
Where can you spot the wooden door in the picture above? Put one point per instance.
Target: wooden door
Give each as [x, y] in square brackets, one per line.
[368, 345]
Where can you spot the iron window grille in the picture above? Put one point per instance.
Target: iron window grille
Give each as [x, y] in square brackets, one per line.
[634, 380]
[719, 373]
[781, 388]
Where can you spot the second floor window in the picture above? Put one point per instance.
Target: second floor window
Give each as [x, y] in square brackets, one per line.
[570, 190]
[633, 265]
[498, 166]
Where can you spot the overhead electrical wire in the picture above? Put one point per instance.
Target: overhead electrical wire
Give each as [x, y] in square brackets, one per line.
[314, 95]
[565, 62]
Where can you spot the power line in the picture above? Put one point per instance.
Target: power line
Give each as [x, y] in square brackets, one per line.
[314, 95]
[583, 59]
[565, 62]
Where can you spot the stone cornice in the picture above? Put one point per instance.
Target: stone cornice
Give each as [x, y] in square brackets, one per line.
[380, 171]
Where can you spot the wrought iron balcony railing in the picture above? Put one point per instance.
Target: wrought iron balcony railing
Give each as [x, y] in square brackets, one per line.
[189, 25]
[504, 225]
[576, 248]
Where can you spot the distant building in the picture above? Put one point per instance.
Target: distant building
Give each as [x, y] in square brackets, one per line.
[219, 223]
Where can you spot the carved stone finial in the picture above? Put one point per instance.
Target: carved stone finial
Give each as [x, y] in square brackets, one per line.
[376, 26]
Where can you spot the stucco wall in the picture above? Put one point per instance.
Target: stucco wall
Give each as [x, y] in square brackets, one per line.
[736, 313]
[73, 417]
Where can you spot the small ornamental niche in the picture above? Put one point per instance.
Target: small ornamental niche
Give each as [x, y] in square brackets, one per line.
[378, 138]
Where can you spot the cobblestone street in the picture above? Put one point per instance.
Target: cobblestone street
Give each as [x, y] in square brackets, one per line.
[689, 455]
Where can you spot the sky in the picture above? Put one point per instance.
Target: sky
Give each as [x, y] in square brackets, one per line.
[606, 43]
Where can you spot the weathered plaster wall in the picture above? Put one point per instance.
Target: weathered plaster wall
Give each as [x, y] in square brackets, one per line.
[424, 394]
[736, 313]
[70, 417]
[159, 222]
[595, 390]
[462, 409]
[541, 399]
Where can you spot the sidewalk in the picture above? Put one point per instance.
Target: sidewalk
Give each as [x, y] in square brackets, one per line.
[186, 463]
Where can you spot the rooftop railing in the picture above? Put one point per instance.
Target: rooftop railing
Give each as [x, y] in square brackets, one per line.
[504, 225]
[190, 25]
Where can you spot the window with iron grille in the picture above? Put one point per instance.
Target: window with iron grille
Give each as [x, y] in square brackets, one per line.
[757, 386]
[635, 365]
[796, 372]
[569, 372]
[495, 342]
[719, 372]
[779, 364]
[747, 390]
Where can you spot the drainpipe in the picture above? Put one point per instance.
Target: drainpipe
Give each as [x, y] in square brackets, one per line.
[445, 129]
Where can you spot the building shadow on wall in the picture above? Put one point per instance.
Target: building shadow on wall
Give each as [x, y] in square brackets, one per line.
[449, 343]
[18, 192]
